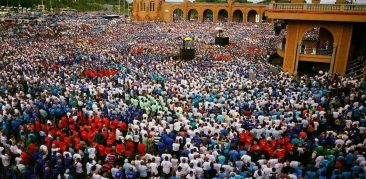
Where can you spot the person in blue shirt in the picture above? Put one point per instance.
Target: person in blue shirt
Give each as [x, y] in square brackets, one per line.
[168, 143]
[222, 174]
[131, 174]
[120, 174]
[233, 155]
[310, 175]
[161, 147]
[221, 159]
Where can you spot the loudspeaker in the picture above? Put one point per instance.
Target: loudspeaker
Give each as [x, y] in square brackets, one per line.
[222, 41]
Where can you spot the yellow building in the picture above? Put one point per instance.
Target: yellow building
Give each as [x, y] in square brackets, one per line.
[172, 11]
[321, 35]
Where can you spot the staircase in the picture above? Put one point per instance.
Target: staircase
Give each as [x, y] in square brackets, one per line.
[356, 67]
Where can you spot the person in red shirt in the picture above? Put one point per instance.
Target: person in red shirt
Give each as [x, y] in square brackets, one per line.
[120, 149]
[280, 153]
[130, 148]
[141, 149]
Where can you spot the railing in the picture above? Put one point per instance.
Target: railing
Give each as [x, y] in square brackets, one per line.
[356, 67]
[317, 51]
[319, 7]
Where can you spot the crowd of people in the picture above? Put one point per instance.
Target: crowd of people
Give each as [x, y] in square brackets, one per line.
[83, 97]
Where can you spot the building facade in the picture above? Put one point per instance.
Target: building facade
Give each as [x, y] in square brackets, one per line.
[169, 11]
[340, 30]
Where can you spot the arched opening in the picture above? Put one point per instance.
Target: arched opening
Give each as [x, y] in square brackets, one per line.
[316, 41]
[193, 15]
[178, 15]
[252, 16]
[207, 15]
[264, 18]
[223, 15]
[238, 16]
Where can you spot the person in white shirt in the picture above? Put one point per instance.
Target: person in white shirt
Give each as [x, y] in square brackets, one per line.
[166, 164]
[199, 171]
[184, 165]
[89, 165]
[179, 173]
[79, 168]
[153, 168]
[5, 159]
[191, 175]
[91, 152]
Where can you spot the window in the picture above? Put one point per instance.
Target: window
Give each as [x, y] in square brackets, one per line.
[152, 6]
[142, 6]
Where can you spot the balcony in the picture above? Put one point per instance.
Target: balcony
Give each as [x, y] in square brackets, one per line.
[319, 7]
[315, 58]
[318, 12]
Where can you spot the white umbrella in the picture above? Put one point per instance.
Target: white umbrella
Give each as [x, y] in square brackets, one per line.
[218, 28]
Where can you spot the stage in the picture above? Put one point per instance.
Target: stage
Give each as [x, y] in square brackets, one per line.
[187, 54]
[222, 41]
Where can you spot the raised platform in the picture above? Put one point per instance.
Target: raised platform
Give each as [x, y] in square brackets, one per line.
[187, 54]
[222, 41]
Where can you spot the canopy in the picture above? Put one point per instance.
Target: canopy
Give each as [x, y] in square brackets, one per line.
[218, 28]
[187, 39]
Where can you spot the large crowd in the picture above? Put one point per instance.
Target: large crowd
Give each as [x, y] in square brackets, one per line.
[83, 97]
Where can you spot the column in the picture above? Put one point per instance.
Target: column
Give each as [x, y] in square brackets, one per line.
[230, 16]
[333, 58]
[298, 50]
[214, 16]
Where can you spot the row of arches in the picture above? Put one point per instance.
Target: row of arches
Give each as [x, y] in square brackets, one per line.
[222, 15]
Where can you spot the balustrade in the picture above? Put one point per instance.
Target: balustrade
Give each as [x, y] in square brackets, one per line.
[320, 7]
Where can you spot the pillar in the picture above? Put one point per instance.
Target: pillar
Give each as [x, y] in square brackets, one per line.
[244, 17]
[214, 16]
[343, 40]
[297, 56]
[292, 39]
[333, 58]
[230, 16]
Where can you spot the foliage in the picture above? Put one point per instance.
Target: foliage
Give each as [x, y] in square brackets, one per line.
[212, 1]
[80, 5]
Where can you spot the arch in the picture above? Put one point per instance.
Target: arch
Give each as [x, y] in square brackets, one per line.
[222, 15]
[192, 15]
[310, 27]
[317, 40]
[178, 15]
[208, 15]
[237, 16]
[252, 16]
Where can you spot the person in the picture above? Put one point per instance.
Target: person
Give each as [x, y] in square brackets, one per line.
[79, 169]
[191, 175]
[166, 164]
